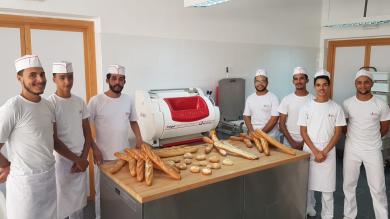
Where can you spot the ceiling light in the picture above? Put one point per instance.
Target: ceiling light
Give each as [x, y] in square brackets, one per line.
[202, 3]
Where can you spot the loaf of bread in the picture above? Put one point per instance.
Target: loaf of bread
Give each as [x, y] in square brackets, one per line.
[148, 172]
[140, 170]
[157, 160]
[132, 166]
[175, 151]
[117, 166]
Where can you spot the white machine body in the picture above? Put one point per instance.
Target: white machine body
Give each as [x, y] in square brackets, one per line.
[174, 115]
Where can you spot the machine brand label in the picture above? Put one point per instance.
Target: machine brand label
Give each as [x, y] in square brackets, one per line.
[191, 124]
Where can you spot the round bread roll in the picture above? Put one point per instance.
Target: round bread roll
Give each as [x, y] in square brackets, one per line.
[214, 159]
[206, 171]
[215, 166]
[227, 162]
[170, 162]
[209, 166]
[181, 166]
[176, 159]
[187, 156]
[187, 161]
[201, 157]
[202, 163]
[195, 169]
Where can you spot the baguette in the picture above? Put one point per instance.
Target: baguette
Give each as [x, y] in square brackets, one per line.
[208, 148]
[245, 136]
[117, 166]
[140, 170]
[157, 160]
[259, 144]
[175, 151]
[121, 156]
[207, 140]
[259, 133]
[237, 138]
[133, 166]
[264, 144]
[248, 143]
[148, 172]
[230, 148]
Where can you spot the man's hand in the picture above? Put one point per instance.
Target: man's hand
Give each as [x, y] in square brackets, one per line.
[80, 165]
[297, 144]
[319, 156]
[4, 171]
[138, 144]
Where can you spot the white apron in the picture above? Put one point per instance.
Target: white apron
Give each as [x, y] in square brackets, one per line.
[32, 196]
[71, 188]
[322, 176]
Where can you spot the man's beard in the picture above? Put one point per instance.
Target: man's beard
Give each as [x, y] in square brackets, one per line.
[32, 92]
[113, 88]
[261, 90]
[364, 93]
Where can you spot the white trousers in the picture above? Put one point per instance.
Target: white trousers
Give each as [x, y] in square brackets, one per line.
[327, 203]
[373, 164]
[97, 191]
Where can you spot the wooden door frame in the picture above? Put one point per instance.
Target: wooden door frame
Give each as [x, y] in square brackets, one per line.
[27, 23]
[367, 43]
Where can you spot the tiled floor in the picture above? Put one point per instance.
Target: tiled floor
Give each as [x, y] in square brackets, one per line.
[365, 208]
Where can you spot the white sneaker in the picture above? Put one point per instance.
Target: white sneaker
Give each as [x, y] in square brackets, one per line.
[311, 212]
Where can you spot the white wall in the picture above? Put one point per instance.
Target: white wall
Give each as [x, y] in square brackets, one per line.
[349, 11]
[163, 44]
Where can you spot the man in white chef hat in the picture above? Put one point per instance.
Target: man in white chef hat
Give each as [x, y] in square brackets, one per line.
[71, 121]
[261, 108]
[321, 121]
[111, 113]
[290, 106]
[26, 124]
[368, 121]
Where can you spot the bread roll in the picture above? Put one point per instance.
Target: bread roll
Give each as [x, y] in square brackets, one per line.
[206, 171]
[117, 166]
[195, 169]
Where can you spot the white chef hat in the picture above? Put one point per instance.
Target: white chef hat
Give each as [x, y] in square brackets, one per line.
[27, 61]
[116, 69]
[322, 72]
[299, 70]
[363, 72]
[261, 72]
[62, 67]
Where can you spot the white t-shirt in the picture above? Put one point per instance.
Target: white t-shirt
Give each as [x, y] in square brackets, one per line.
[290, 106]
[111, 117]
[28, 128]
[69, 113]
[321, 120]
[364, 119]
[260, 109]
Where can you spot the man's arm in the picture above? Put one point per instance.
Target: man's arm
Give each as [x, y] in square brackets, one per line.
[64, 151]
[283, 128]
[88, 138]
[270, 124]
[4, 166]
[248, 123]
[135, 127]
[319, 157]
[333, 141]
[384, 127]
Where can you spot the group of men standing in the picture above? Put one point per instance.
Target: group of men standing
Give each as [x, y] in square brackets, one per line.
[48, 140]
[315, 123]
[43, 184]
